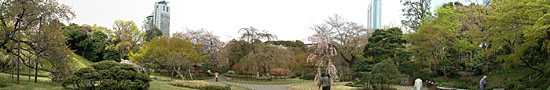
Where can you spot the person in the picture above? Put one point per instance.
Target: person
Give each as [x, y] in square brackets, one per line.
[483, 83]
[217, 75]
[418, 84]
[324, 82]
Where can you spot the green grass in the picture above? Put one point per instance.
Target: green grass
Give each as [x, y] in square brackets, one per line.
[81, 62]
[44, 83]
[277, 81]
[313, 86]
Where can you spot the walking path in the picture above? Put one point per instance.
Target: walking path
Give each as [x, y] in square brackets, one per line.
[223, 81]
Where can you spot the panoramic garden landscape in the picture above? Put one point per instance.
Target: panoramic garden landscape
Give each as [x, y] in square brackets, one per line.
[297, 45]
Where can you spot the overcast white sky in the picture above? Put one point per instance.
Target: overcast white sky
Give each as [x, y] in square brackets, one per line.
[288, 19]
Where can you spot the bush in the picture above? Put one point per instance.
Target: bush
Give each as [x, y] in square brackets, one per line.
[108, 75]
[190, 83]
[213, 87]
[3, 84]
[308, 77]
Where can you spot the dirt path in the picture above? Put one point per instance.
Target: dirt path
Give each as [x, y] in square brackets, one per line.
[223, 81]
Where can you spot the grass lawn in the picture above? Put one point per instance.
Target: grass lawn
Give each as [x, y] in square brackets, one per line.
[278, 81]
[44, 83]
[313, 86]
[81, 62]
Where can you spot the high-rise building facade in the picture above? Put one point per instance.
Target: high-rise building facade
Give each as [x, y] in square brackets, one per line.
[160, 18]
[374, 14]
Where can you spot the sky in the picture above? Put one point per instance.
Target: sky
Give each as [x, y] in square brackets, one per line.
[288, 19]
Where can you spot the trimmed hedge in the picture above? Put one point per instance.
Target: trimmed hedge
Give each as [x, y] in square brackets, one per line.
[308, 77]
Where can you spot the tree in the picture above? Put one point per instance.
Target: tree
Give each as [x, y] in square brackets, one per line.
[209, 43]
[76, 36]
[252, 34]
[125, 37]
[347, 38]
[153, 33]
[91, 47]
[234, 52]
[521, 35]
[322, 53]
[108, 75]
[266, 58]
[415, 13]
[174, 54]
[28, 23]
[387, 44]
[383, 74]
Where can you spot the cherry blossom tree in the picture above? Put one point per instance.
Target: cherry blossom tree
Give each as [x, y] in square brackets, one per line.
[321, 57]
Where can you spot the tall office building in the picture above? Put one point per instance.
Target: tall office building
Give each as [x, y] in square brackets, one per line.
[375, 14]
[160, 18]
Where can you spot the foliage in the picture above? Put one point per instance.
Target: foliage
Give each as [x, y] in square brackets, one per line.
[76, 35]
[125, 37]
[266, 58]
[386, 44]
[210, 44]
[522, 32]
[415, 12]
[234, 51]
[3, 85]
[91, 46]
[296, 43]
[252, 35]
[436, 40]
[153, 33]
[475, 40]
[382, 74]
[308, 77]
[108, 75]
[190, 83]
[31, 30]
[174, 54]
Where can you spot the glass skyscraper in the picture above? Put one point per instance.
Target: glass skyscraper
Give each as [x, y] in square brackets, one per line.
[374, 14]
[160, 18]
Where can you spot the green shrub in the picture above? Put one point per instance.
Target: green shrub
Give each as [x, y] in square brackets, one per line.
[3, 84]
[213, 87]
[190, 83]
[308, 77]
[108, 75]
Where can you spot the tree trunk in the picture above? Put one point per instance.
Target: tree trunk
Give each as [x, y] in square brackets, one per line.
[37, 55]
[179, 73]
[18, 59]
[190, 75]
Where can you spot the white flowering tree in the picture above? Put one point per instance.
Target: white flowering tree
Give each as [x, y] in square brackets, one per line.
[321, 57]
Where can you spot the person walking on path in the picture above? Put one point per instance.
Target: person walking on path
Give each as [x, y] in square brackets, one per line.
[217, 75]
[418, 84]
[324, 82]
[483, 83]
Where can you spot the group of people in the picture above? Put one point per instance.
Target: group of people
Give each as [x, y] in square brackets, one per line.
[418, 83]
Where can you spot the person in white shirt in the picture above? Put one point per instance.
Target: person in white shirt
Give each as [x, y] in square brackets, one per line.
[417, 84]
